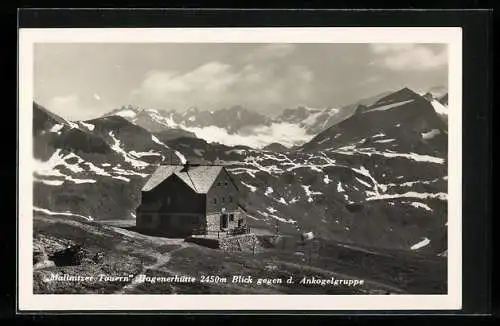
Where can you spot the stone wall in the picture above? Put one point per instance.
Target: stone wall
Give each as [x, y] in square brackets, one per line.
[244, 243]
[213, 221]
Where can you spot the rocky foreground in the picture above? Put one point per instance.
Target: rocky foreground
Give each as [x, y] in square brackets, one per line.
[111, 259]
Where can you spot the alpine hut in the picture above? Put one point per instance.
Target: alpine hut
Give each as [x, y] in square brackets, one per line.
[183, 200]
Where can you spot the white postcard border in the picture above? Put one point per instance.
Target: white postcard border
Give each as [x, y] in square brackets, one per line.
[27, 301]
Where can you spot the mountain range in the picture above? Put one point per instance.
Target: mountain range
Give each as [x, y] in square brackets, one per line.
[240, 126]
[373, 173]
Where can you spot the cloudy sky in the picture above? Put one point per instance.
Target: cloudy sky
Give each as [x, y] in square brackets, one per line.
[84, 81]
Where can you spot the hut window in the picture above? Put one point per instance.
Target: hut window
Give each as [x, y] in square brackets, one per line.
[215, 200]
[225, 183]
[222, 199]
[231, 217]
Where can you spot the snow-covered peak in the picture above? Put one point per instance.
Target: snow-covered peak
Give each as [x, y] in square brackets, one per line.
[127, 113]
[439, 108]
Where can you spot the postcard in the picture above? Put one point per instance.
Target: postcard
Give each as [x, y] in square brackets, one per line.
[239, 169]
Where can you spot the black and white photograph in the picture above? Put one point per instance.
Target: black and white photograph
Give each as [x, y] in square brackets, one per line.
[318, 167]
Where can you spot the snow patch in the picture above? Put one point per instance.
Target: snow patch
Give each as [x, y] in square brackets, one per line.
[252, 188]
[49, 182]
[411, 194]
[389, 106]
[283, 201]
[378, 135]
[56, 128]
[309, 193]
[89, 126]
[326, 179]
[47, 168]
[431, 134]
[72, 125]
[237, 151]
[156, 140]
[120, 171]
[272, 210]
[126, 113]
[384, 140]
[181, 157]
[417, 204]
[119, 177]
[421, 244]
[363, 182]
[141, 154]
[48, 212]
[350, 150]
[116, 147]
[323, 140]
[439, 108]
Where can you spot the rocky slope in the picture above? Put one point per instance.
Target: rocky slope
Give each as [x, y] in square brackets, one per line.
[92, 169]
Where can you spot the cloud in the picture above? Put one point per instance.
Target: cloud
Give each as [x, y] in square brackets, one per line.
[258, 137]
[261, 79]
[409, 56]
[71, 107]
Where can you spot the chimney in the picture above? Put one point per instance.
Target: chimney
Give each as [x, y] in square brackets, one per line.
[186, 167]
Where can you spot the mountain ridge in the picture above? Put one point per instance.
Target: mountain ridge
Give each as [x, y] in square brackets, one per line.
[292, 127]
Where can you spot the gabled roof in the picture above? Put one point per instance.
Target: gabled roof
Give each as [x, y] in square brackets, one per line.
[199, 177]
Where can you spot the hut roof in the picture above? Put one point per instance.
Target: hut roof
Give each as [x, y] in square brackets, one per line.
[200, 178]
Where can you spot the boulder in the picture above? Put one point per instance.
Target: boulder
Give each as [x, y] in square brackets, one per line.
[70, 256]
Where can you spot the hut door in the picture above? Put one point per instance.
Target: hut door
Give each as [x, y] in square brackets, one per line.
[223, 221]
